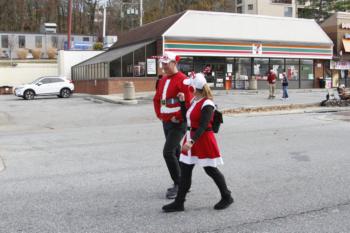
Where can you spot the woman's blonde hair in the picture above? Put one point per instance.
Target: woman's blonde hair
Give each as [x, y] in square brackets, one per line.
[206, 92]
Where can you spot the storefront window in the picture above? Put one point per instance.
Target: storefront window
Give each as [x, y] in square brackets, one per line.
[306, 70]
[278, 66]
[186, 65]
[292, 69]
[214, 69]
[127, 63]
[260, 68]
[243, 68]
[139, 62]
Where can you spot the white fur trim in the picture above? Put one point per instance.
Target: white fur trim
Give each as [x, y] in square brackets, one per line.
[208, 102]
[167, 82]
[201, 162]
[167, 110]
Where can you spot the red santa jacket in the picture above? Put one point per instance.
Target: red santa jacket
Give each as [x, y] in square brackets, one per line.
[166, 104]
[271, 78]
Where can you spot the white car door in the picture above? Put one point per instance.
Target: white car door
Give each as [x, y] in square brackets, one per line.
[56, 85]
[43, 86]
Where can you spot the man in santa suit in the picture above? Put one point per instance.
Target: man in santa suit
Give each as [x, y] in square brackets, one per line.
[167, 108]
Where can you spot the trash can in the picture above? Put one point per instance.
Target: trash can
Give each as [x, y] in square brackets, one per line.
[228, 83]
[322, 83]
[253, 83]
[129, 91]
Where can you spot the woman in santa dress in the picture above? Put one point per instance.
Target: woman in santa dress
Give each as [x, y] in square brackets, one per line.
[200, 146]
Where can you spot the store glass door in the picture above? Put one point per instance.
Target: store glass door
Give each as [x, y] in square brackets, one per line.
[215, 73]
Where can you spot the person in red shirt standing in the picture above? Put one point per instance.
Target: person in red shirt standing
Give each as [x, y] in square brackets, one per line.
[271, 78]
[167, 108]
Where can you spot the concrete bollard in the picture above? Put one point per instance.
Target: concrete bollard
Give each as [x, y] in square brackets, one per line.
[253, 83]
[129, 91]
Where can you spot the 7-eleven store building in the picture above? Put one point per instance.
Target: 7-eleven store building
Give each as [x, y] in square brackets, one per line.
[235, 47]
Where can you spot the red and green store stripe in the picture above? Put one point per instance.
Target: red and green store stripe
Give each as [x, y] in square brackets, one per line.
[244, 49]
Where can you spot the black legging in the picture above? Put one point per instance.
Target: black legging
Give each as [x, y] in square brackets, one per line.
[186, 180]
[173, 135]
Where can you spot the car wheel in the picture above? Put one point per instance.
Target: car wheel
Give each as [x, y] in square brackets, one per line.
[65, 93]
[29, 95]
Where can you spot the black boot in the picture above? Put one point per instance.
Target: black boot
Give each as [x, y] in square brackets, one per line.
[225, 202]
[175, 206]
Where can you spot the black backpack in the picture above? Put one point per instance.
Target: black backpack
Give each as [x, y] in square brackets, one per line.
[217, 120]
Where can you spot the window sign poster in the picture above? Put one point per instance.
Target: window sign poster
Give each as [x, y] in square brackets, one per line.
[229, 68]
[257, 69]
[151, 66]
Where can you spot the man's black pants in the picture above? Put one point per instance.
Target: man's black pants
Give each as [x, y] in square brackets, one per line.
[174, 132]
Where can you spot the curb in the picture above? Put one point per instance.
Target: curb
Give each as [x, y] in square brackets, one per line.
[269, 108]
[121, 101]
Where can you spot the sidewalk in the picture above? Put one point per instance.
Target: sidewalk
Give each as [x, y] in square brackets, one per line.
[240, 101]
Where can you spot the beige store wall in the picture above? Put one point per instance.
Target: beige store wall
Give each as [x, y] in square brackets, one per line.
[25, 72]
[265, 7]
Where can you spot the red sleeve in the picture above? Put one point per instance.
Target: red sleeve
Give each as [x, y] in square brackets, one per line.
[156, 100]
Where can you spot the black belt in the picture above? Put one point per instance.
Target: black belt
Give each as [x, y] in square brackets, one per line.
[194, 129]
[170, 101]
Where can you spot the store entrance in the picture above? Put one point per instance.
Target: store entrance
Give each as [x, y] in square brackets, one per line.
[215, 73]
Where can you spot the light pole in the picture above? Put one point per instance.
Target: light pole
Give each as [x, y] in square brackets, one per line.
[69, 23]
[104, 24]
[141, 12]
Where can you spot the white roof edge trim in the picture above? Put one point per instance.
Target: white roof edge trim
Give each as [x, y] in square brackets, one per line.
[324, 33]
[164, 34]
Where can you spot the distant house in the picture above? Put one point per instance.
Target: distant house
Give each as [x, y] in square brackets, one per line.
[10, 42]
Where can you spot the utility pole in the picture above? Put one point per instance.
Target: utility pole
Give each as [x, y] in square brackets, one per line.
[69, 23]
[141, 12]
[104, 23]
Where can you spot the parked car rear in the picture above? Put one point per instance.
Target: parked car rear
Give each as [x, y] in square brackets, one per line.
[46, 86]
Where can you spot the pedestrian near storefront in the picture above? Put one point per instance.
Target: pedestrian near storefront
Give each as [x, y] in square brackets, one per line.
[271, 79]
[167, 109]
[284, 86]
[199, 146]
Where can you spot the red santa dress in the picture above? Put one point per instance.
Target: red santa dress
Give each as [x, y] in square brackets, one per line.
[205, 151]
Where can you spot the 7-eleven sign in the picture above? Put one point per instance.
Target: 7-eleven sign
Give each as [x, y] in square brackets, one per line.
[257, 48]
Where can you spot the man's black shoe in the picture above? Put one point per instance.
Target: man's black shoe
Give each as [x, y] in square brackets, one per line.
[173, 207]
[224, 203]
[172, 192]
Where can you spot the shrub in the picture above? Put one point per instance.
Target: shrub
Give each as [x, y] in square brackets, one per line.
[22, 53]
[51, 53]
[36, 53]
[98, 46]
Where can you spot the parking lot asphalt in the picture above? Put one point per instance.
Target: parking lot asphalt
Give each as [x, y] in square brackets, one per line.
[76, 165]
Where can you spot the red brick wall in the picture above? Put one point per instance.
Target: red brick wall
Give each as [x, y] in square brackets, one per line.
[113, 85]
[4, 90]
